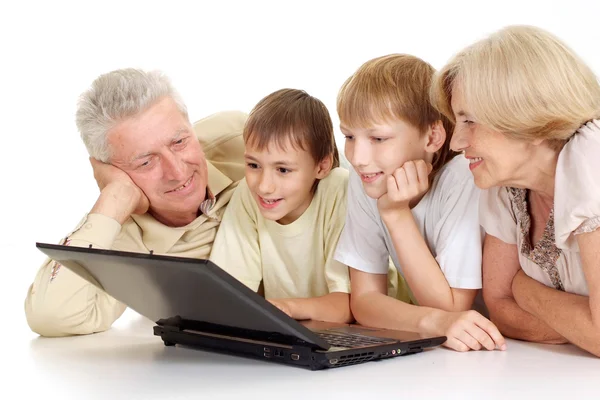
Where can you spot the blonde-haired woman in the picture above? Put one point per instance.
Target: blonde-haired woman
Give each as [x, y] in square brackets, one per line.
[526, 109]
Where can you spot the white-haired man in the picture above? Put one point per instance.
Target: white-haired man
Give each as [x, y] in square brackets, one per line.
[164, 187]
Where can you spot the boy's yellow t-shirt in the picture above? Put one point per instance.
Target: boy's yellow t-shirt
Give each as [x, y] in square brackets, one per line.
[294, 260]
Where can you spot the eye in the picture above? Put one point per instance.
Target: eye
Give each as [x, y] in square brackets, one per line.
[348, 137]
[252, 165]
[146, 164]
[468, 122]
[379, 139]
[283, 170]
[180, 143]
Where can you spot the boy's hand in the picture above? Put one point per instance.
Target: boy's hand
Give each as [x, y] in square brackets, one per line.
[406, 183]
[283, 305]
[467, 330]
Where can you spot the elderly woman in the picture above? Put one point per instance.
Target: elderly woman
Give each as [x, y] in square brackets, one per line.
[526, 109]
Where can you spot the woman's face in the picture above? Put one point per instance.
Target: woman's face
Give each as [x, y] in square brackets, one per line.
[495, 159]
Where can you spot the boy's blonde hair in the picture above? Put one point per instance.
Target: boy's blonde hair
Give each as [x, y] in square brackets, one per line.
[393, 87]
[521, 81]
[293, 116]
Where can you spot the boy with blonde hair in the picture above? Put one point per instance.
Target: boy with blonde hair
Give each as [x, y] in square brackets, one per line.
[410, 199]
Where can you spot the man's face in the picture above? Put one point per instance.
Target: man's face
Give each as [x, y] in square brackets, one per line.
[159, 150]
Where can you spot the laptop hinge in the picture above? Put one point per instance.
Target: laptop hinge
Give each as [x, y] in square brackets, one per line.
[175, 323]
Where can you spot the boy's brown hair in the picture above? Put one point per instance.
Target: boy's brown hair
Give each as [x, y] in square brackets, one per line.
[391, 87]
[293, 116]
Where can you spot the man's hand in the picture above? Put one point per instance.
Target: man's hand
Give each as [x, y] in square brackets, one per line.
[406, 183]
[467, 330]
[119, 195]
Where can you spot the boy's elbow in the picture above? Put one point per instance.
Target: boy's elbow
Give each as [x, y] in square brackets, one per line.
[344, 317]
[358, 309]
[343, 312]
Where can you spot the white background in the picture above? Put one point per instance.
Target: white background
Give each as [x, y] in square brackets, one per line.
[220, 55]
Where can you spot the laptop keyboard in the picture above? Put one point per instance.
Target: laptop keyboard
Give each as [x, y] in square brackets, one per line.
[351, 340]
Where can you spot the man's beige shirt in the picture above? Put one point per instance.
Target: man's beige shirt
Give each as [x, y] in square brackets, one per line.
[61, 303]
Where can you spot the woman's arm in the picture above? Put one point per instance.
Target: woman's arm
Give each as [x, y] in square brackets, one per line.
[500, 264]
[575, 317]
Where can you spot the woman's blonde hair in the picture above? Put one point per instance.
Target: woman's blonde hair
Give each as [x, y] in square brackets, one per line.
[521, 81]
[395, 86]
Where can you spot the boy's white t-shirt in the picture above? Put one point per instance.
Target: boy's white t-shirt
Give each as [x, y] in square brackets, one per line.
[447, 217]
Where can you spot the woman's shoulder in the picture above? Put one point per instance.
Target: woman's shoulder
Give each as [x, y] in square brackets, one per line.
[577, 184]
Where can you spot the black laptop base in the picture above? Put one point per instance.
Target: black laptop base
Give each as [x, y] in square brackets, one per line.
[297, 355]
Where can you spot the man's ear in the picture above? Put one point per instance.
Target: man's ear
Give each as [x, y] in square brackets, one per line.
[436, 136]
[324, 167]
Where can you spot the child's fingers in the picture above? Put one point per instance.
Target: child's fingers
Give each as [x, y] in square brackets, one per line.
[491, 329]
[392, 186]
[481, 336]
[411, 173]
[455, 344]
[400, 178]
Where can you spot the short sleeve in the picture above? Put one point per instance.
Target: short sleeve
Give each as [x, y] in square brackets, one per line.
[458, 247]
[496, 215]
[577, 187]
[362, 244]
[236, 247]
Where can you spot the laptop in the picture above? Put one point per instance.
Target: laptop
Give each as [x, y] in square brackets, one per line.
[195, 303]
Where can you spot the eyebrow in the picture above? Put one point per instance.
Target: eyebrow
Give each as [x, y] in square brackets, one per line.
[286, 163]
[462, 113]
[368, 130]
[174, 138]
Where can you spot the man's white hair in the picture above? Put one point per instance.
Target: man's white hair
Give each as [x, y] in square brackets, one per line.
[116, 96]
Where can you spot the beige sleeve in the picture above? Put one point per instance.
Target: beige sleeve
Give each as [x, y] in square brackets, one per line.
[221, 136]
[59, 302]
[236, 249]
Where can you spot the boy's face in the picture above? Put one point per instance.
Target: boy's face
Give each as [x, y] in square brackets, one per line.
[379, 150]
[281, 178]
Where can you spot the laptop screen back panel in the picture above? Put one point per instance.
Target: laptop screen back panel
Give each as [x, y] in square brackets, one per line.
[162, 287]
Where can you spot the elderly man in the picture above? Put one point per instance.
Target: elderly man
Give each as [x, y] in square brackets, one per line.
[164, 187]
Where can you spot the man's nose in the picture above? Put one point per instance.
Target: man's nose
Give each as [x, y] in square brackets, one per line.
[174, 168]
